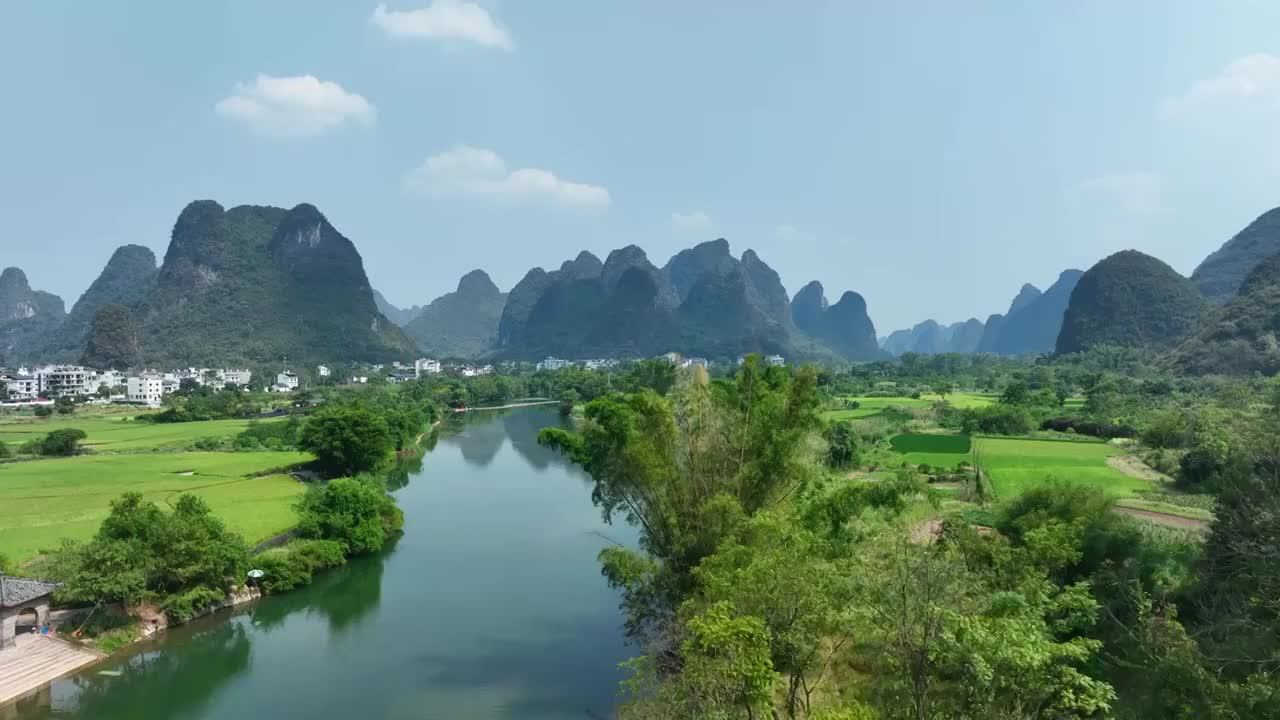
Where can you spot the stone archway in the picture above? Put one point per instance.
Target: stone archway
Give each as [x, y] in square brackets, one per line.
[26, 619]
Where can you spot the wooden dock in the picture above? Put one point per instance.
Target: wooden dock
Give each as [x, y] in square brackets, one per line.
[36, 661]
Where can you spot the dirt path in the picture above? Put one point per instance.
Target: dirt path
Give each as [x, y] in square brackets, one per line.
[1165, 519]
[1133, 467]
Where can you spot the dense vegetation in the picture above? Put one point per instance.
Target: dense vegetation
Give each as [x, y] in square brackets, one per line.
[1242, 337]
[112, 339]
[125, 281]
[772, 581]
[1220, 275]
[255, 284]
[1132, 300]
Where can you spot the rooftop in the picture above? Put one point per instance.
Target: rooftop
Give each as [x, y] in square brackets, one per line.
[15, 591]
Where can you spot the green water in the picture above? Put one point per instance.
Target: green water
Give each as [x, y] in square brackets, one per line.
[491, 605]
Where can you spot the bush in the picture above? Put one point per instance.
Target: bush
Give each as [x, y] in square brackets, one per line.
[998, 419]
[186, 605]
[61, 443]
[357, 513]
[1092, 428]
[43, 411]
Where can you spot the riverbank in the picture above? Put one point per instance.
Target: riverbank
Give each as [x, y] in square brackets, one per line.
[427, 622]
[509, 406]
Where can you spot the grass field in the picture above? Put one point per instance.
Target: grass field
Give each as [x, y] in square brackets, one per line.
[872, 406]
[1016, 464]
[43, 501]
[935, 450]
[121, 433]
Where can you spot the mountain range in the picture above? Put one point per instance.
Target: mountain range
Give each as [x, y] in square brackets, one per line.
[256, 284]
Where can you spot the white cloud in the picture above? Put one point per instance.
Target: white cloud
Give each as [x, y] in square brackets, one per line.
[300, 106]
[1141, 193]
[1255, 76]
[692, 221]
[477, 171]
[444, 20]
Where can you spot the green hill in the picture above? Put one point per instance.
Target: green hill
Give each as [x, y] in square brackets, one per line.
[126, 280]
[27, 317]
[463, 323]
[1243, 337]
[1130, 300]
[255, 284]
[1220, 275]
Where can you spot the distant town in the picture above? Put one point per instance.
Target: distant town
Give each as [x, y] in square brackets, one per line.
[43, 385]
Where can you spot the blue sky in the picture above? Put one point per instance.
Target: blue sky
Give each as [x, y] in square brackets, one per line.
[933, 158]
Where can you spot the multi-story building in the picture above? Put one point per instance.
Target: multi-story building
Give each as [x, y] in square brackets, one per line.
[145, 389]
[426, 366]
[235, 376]
[19, 386]
[776, 360]
[323, 371]
[552, 363]
[62, 380]
[286, 381]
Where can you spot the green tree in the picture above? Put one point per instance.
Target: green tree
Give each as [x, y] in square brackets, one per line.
[64, 406]
[686, 470]
[842, 445]
[356, 512]
[347, 440]
[726, 671]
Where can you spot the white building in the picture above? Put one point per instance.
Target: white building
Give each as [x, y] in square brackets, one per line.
[674, 358]
[552, 363]
[396, 378]
[145, 389]
[473, 371]
[776, 360]
[21, 387]
[235, 376]
[62, 380]
[323, 371]
[359, 379]
[426, 366]
[286, 382]
[600, 364]
[694, 362]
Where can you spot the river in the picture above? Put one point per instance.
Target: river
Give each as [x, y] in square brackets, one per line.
[490, 605]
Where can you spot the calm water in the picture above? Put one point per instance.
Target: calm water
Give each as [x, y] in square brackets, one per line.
[491, 605]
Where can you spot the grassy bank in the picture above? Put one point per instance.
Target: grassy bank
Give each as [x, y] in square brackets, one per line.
[43, 501]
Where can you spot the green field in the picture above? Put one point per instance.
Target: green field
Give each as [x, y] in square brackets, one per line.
[935, 450]
[1016, 464]
[43, 501]
[122, 433]
[872, 406]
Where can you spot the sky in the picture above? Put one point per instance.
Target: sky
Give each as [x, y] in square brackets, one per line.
[932, 156]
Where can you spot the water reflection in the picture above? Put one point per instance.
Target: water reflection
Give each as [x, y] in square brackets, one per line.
[490, 607]
[166, 684]
[477, 437]
[342, 596]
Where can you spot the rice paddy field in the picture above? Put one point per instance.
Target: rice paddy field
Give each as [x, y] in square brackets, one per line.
[1016, 464]
[43, 501]
[872, 406]
[121, 433]
[935, 450]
